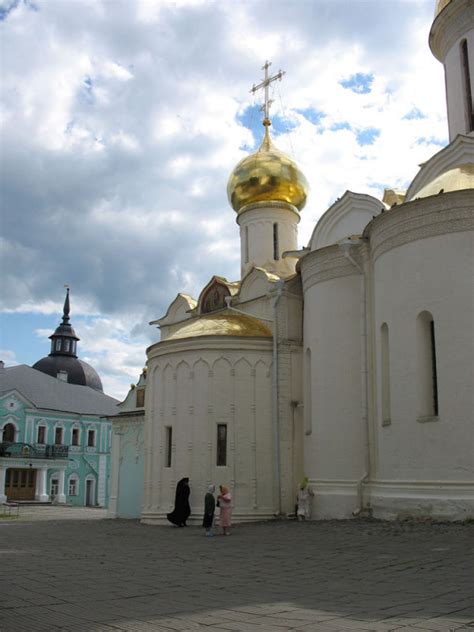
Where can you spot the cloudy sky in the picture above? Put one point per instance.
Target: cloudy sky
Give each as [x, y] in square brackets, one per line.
[122, 119]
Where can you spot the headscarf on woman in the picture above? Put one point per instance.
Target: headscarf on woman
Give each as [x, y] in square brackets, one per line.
[182, 509]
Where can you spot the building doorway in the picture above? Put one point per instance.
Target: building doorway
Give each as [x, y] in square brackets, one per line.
[54, 489]
[90, 492]
[20, 484]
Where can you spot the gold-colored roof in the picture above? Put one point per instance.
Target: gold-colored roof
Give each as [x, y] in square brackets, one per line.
[268, 175]
[455, 179]
[223, 323]
[440, 5]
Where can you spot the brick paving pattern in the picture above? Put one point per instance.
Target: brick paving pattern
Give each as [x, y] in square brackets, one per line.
[105, 575]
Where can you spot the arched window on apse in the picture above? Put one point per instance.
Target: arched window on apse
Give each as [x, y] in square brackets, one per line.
[308, 396]
[427, 367]
[385, 374]
[467, 86]
[276, 245]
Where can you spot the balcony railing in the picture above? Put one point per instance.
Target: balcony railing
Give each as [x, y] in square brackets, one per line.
[35, 451]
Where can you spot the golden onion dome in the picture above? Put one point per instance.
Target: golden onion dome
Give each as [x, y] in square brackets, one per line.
[455, 179]
[222, 323]
[268, 175]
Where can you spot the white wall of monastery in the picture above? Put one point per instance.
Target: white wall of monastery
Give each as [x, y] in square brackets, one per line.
[424, 462]
[335, 454]
[194, 385]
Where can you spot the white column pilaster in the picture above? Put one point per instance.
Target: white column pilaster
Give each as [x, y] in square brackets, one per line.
[114, 475]
[3, 497]
[41, 493]
[61, 498]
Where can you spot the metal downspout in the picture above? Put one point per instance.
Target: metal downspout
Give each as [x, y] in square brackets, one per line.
[345, 247]
[275, 393]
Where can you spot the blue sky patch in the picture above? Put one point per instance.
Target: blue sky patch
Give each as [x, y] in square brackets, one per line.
[313, 116]
[415, 113]
[360, 83]
[367, 136]
[252, 118]
[5, 11]
[431, 140]
[342, 125]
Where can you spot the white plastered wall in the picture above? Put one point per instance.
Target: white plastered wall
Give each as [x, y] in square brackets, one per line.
[426, 467]
[335, 455]
[256, 238]
[192, 386]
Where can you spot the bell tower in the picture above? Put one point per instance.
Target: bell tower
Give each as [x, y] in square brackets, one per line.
[452, 43]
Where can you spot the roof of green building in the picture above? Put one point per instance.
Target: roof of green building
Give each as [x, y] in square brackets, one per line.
[51, 393]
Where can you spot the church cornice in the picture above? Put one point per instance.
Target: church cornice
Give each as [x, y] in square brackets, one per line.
[276, 205]
[325, 264]
[208, 343]
[445, 213]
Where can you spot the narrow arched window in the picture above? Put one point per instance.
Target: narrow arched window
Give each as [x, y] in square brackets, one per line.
[308, 395]
[276, 247]
[246, 244]
[58, 344]
[467, 86]
[385, 374]
[8, 433]
[427, 367]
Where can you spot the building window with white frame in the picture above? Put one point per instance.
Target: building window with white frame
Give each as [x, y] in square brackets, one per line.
[41, 435]
[91, 438]
[58, 436]
[73, 486]
[75, 436]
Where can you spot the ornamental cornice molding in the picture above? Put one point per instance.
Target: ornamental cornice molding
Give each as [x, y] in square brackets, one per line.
[421, 219]
[278, 208]
[325, 264]
[208, 343]
[454, 21]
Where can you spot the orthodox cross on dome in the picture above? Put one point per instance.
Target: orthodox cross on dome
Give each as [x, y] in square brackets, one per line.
[265, 85]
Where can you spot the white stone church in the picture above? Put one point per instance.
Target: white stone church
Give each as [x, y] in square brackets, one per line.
[350, 361]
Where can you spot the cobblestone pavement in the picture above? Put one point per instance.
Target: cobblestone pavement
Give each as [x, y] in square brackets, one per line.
[108, 575]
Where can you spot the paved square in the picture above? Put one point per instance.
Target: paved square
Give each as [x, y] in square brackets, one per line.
[97, 575]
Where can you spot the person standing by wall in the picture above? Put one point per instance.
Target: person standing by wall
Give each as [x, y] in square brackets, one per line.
[224, 501]
[182, 509]
[209, 509]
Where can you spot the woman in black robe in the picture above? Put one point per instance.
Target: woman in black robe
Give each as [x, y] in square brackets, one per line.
[181, 510]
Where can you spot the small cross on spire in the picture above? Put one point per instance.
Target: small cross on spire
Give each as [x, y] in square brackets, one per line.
[265, 84]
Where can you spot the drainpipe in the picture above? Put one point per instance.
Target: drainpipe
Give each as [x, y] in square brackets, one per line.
[345, 247]
[275, 391]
